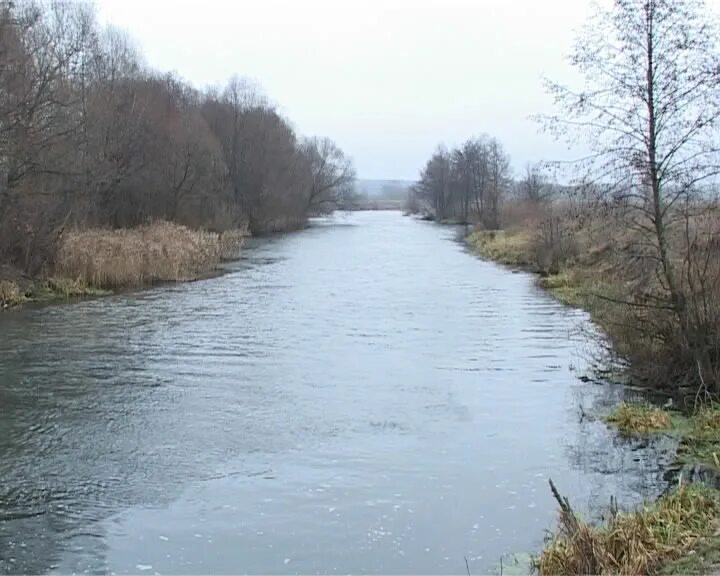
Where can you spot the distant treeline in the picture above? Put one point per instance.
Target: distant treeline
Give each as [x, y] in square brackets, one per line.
[91, 137]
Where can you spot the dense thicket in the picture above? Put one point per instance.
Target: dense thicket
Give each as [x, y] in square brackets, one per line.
[90, 137]
[468, 182]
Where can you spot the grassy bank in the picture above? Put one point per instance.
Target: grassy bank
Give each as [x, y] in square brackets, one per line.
[698, 433]
[591, 267]
[666, 536]
[582, 282]
[677, 534]
[599, 262]
[508, 247]
[94, 262]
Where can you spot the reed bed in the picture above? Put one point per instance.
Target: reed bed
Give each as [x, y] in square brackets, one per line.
[156, 252]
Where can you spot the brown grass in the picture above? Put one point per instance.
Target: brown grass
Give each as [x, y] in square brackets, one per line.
[231, 242]
[598, 258]
[640, 542]
[512, 248]
[10, 294]
[157, 252]
[639, 419]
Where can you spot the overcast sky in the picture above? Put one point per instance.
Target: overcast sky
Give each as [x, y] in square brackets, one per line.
[386, 79]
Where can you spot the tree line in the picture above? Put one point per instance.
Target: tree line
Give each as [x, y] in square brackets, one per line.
[469, 181]
[92, 137]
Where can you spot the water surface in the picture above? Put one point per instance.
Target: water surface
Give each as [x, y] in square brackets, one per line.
[361, 397]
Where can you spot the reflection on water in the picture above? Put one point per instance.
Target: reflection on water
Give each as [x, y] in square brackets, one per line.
[363, 396]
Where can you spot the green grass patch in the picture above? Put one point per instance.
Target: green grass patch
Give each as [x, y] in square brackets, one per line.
[699, 434]
[69, 288]
[701, 441]
[643, 541]
[54, 289]
[581, 288]
[703, 559]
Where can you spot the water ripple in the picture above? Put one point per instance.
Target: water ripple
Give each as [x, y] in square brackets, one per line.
[363, 396]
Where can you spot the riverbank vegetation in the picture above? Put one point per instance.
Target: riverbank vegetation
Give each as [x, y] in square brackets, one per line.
[678, 534]
[631, 419]
[646, 541]
[136, 257]
[698, 432]
[634, 233]
[91, 139]
[631, 233]
[11, 294]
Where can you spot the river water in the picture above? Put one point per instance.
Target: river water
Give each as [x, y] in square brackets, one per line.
[360, 397]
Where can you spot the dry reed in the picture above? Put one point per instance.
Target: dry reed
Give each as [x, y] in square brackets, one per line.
[156, 252]
[640, 542]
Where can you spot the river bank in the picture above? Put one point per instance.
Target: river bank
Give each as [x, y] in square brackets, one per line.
[677, 534]
[97, 262]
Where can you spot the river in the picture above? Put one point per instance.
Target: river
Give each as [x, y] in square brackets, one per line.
[361, 397]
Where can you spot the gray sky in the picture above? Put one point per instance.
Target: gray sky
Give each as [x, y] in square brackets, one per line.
[386, 79]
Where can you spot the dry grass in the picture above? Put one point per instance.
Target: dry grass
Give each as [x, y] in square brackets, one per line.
[10, 294]
[706, 423]
[599, 258]
[567, 287]
[513, 248]
[633, 419]
[231, 242]
[157, 252]
[68, 288]
[640, 542]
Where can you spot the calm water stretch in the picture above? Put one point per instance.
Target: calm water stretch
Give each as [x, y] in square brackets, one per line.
[361, 397]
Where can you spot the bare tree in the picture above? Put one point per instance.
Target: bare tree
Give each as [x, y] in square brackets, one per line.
[499, 181]
[90, 136]
[650, 109]
[534, 186]
[332, 175]
[468, 172]
[467, 182]
[434, 184]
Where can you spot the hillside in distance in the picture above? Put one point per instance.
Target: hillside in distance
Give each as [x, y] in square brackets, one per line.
[389, 189]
